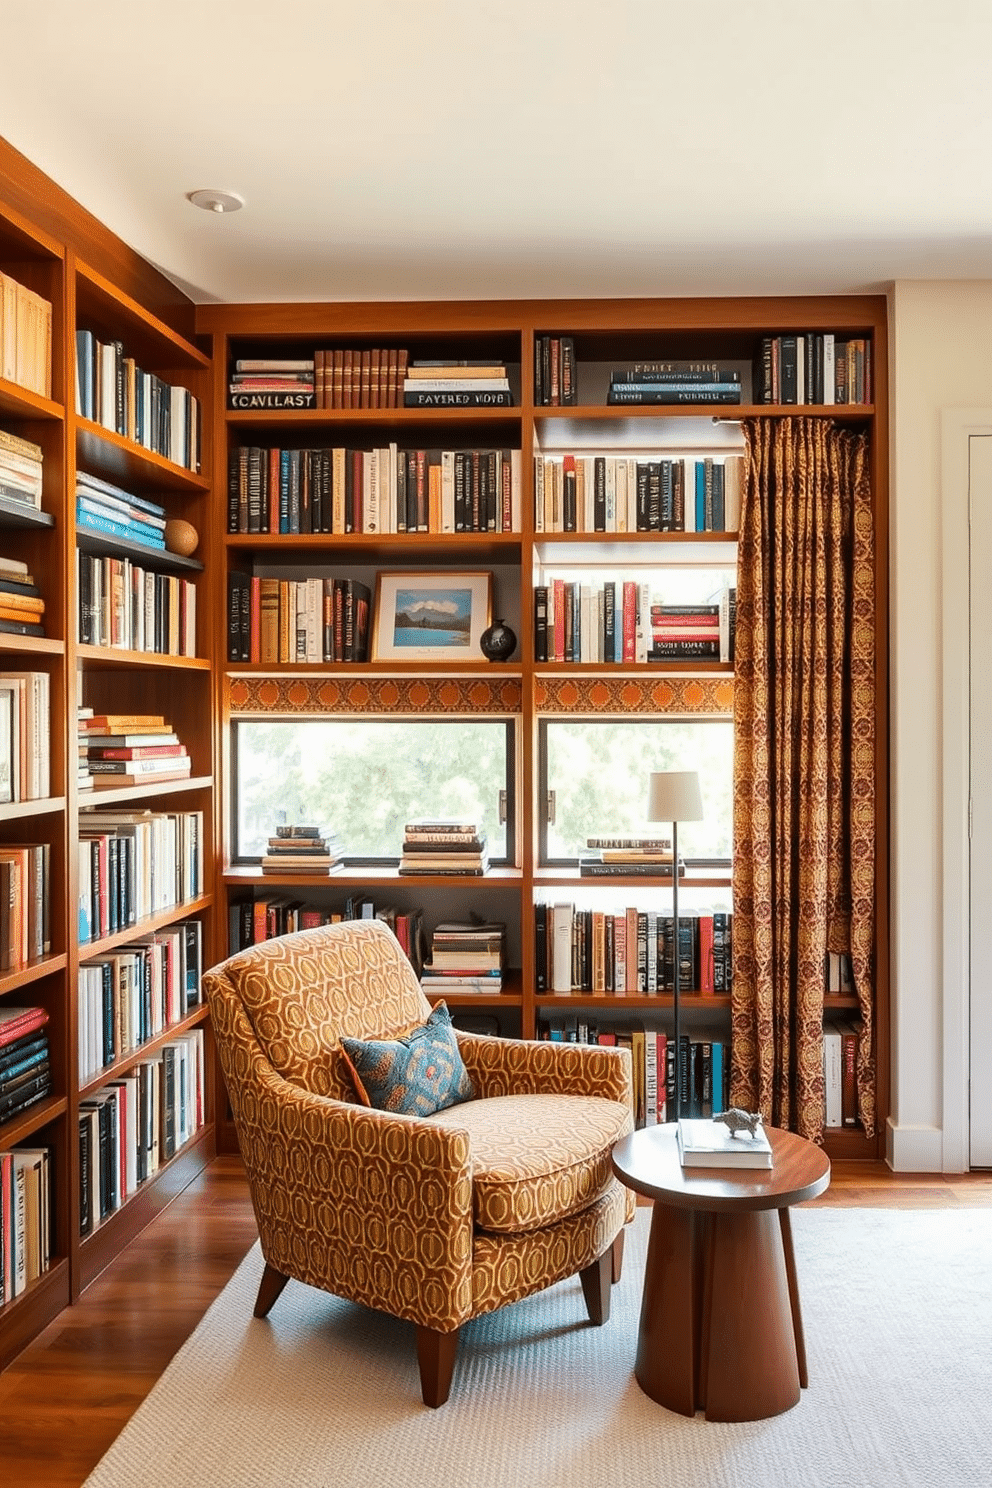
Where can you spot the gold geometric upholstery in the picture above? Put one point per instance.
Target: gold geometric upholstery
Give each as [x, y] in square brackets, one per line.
[432, 1219]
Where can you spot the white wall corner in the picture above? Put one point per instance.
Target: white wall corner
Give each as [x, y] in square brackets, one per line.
[914, 1149]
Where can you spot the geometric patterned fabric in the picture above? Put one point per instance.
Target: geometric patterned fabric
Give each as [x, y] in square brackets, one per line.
[434, 1219]
[416, 1075]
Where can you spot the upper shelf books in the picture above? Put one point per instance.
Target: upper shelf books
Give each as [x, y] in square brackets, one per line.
[113, 391]
[674, 383]
[457, 384]
[272, 382]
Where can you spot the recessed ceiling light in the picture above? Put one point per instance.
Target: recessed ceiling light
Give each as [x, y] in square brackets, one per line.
[216, 201]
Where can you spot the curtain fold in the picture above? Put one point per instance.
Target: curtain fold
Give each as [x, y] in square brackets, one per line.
[804, 763]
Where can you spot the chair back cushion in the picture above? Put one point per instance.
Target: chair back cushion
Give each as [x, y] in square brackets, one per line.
[302, 993]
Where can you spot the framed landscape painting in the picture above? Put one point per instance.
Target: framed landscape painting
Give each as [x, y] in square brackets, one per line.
[430, 616]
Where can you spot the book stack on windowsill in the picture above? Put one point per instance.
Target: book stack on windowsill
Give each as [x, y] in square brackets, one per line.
[451, 848]
[302, 850]
[454, 384]
[132, 749]
[644, 857]
[465, 957]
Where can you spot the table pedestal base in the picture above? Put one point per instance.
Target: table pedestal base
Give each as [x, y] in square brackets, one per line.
[721, 1329]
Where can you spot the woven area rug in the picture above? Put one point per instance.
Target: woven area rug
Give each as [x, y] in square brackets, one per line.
[897, 1308]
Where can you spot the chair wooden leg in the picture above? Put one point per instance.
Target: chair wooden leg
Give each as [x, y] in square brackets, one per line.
[618, 1256]
[269, 1289]
[436, 1357]
[596, 1287]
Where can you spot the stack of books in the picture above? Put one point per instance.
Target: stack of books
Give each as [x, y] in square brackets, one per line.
[21, 604]
[674, 382]
[105, 508]
[132, 749]
[685, 632]
[272, 382]
[451, 848]
[466, 957]
[20, 469]
[450, 384]
[25, 1066]
[302, 850]
[645, 857]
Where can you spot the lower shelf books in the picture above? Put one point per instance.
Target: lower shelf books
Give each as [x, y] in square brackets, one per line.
[25, 1218]
[134, 1124]
[711, 1144]
[630, 951]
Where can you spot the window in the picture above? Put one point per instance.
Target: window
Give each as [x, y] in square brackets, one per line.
[598, 772]
[365, 778]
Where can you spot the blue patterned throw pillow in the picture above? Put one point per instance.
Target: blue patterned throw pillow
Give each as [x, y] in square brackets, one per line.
[415, 1075]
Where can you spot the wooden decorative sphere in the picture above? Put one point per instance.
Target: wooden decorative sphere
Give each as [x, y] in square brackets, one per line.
[181, 537]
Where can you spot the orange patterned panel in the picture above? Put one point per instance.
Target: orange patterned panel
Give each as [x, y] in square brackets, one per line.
[711, 696]
[301, 694]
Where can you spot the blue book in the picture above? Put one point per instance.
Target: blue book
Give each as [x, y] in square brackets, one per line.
[85, 358]
[717, 1058]
[700, 495]
[106, 488]
[96, 523]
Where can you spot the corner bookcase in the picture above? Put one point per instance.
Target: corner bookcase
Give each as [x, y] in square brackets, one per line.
[93, 282]
[523, 691]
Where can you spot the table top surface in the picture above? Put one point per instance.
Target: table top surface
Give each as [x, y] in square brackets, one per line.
[648, 1162]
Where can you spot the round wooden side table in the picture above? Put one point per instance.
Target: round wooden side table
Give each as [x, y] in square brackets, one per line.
[721, 1328]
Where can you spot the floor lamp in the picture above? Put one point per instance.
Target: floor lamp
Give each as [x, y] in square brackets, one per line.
[673, 796]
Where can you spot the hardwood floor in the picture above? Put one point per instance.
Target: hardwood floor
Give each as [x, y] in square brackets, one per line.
[67, 1396]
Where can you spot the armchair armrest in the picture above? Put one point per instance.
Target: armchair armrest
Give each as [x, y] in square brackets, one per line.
[507, 1066]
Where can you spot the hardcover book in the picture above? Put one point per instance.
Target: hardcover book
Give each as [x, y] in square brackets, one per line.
[706, 1143]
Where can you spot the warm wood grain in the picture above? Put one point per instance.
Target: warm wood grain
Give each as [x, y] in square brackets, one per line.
[648, 1162]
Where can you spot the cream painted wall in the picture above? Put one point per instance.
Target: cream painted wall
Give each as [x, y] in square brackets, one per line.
[941, 350]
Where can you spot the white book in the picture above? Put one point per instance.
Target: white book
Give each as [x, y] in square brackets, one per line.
[832, 1075]
[704, 1143]
[829, 368]
[515, 502]
[689, 493]
[561, 947]
[540, 467]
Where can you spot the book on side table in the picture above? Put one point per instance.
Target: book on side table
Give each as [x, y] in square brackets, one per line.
[711, 1144]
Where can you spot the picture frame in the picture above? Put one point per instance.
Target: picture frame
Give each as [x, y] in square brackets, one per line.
[427, 616]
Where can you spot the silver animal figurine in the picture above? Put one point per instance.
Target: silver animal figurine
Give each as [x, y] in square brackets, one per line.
[740, 1121]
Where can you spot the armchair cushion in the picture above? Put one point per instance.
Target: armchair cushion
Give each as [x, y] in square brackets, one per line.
[537, 1159]
[416, 1074]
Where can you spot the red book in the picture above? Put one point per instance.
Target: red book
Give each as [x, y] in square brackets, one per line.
[143, 751]
[15, 1022]
[706, 953]
[629, 620]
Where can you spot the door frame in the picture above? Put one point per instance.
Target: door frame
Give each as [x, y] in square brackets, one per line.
[958, 427]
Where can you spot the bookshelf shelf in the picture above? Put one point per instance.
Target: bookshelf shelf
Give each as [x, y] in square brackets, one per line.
[119, 547]
[119, 460]
[33, 971]
[20, 514]
[117, 656]
[12, 811]
[21, 403]
[91, 1084]
[117, 795]
[35, 1119]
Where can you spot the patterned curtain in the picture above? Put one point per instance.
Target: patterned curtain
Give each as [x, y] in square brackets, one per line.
[804, 762]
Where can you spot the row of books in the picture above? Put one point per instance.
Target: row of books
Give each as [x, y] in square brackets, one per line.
[465, 956]
[109, 509]
[630, 951]
[20, 469]
[26, 1212]
[388, 490]
[672, 383]
[810, 367]
[266, 916]
[302, 849]
[133, 864]
[705, 1066]
[838, 975]
[113, 391]
[625, 493]
[457, 384]
[124, 605]
[352, 377]
[617, 621]
[133, 995]
[25, 1060]
[556, 382]
[25, 736]
[25, 337]
[840, 1072]
[25, 907]
[287, 620]
[439, 846]
[286, 378]
[134, 1124]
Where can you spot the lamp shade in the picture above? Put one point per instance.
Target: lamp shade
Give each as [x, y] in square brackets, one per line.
[673, 796]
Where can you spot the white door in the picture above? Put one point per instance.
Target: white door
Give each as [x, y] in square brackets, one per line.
[980, 753]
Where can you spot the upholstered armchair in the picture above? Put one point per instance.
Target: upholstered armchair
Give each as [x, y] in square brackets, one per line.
[434, 1218]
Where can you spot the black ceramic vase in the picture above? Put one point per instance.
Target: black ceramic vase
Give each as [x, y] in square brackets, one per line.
[498, 642]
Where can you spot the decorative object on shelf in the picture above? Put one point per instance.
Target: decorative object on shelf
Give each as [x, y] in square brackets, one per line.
[181, 537]
[430, 616]
[736, 1120]
[673, 796]
[499, 642]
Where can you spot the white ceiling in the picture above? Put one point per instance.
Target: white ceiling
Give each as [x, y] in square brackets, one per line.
[456, 149]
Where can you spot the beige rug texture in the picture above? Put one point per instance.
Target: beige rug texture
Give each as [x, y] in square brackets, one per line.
[897, 1308]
